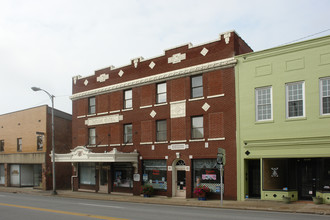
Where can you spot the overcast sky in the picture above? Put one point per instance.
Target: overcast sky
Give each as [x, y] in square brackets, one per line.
[45, 43]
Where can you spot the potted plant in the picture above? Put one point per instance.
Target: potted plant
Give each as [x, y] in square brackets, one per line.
[317, 200]
[147, 190]
[201, 192]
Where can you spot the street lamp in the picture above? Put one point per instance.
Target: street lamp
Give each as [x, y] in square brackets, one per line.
[53, 143]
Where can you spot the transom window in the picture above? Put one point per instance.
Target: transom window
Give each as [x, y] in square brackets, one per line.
[197, 129]
[91, 105]
[161, 130]
[263, 103]
[128, 99]
[180, 163]
[91, 136]
[196, 86]
[295, 99]
[128, 133]
[161, 92]
[325, 95]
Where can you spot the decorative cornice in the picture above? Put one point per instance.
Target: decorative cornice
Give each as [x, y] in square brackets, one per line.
[192, 70]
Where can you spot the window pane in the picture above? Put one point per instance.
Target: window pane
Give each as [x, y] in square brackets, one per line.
[87, 173]
[161, 98]
[161, 130]
[128, 102]
[325, 93]
[91, 105]
[155, 173]
[92, 136]
[197, 81]
[161, 88]
[128, 133]
[197, 130]
[263, 104]
[295, 97]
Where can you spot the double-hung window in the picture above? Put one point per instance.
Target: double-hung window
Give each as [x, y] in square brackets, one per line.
[128, 99]
[263, 103]
[161, 130]
[91, 105]
[128, 134]
[19, 144]
[196, 86]
[295, 99]
[197, 128]
[325, 95]
[91, 136]
[161, 93]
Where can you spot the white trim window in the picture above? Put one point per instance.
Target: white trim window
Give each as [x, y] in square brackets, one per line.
[295, 99]
[264, 103]
[325, 96]
[91, 136]
[161, 93]
[197, 127]
[128, 99]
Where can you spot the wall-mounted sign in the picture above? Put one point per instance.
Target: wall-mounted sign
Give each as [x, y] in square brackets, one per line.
[136, 177]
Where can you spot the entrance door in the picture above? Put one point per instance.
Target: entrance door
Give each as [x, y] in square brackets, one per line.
[181, 183]
[103, 180]
[306, 179]
[254, 178]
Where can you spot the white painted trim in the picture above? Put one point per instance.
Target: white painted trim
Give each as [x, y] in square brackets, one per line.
[116, 111]
[215, 96]
[128, 144]
[102, 145]
[196, 99]
[102, 113]
[127, 109]
[115, 145]
[181, 101]
[91, 115]
[146, 106]
[197, 140]
[81, 116]
[160, 104]
[216, 139]
[161, 142]
[145, 143]
[191, 70]
[180, 141]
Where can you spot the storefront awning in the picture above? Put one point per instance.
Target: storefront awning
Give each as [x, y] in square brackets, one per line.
[82, 154]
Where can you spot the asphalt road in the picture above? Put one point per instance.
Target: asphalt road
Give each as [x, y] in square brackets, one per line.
[26, 207]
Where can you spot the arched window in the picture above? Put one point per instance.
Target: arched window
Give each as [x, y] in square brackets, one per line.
[180, 163]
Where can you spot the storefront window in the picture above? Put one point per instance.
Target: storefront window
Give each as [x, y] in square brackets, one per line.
[2, 174]
[123, 174]
[87, 173]
[279, 174]
[206, 173]
[155, 174]
[325, 176]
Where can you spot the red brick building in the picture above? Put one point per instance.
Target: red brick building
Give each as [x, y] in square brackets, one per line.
[158, 121]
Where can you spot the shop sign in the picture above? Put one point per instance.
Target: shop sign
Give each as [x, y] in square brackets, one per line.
[274, 172]
[136, 177]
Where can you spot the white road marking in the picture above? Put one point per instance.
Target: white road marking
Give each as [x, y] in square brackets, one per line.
[106, 206]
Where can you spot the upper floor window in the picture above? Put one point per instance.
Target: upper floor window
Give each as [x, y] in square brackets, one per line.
[40, 141]
[128, 99]
[2, 145]
[161, 92]
[91, 136]
[197, 128]
[19, 144]
[128, 133]
[196, 86]
[263, 103]
[295, 95]
[325, 95]
[161, 130]
[91, 105]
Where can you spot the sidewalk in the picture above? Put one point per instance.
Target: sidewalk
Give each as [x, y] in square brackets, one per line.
[295, 207]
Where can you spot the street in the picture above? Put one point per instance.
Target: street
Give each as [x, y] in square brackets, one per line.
[24, 206]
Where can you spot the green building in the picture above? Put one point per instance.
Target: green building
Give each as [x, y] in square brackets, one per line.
[283, 122]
